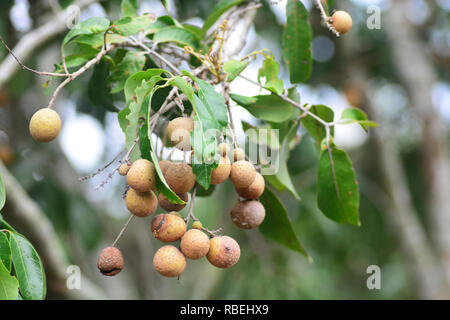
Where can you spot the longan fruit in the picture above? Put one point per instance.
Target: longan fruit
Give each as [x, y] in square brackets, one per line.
[164, 165]
[123, 169]
[242, 174]
[169, 206]
[141, 204]
[223, 252]
[142, 175]
[223, 149]
[168, 227]
[342, 21]
[248, 214]
[179, 132]
[255, 190]
[180, 177]
[110, 261]
[169, 261]
[194, 244]
[6, 154]
[45, 125]
[238, 154]
[222, 172]
[197, 225]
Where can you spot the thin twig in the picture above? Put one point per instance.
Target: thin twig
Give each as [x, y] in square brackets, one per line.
[123, 230]
[101, 169]
[326, 18]
[191, 207]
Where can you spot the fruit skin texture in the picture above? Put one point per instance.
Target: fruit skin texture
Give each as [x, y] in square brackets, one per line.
[141, 204]
[169, 261]
[255, 190]
[179, 132]
[223, 252]
[123, 169]
[180, 178]
[238, 154]
[223, 149]
[194, 244]
[164, 165]
[110, 261]
[242, 174]
[142, 175]
[342, 21]
[222, 172]
[248, 214]
[169, 206]
[168, 227]
[45, 125]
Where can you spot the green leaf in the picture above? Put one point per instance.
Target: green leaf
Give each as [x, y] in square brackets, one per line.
[234, 68]
[5, 251]
[160, 23]
[355, 115]
[28, 268]
[129, 7]
[5, 225]
[296, 42]
[178, 35]
[277, 226]
[8, 285]
[266, 107]
[2, 193]
[269, 71]
[131, 63]
[98, 89]
[129, 26]
[218, 10]
[314, 127]
[337, 189]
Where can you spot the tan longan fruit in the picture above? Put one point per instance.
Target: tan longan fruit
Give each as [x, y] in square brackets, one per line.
[110, 261]
[168, 227]
[164, 165]
[179, 132]
[169, 261]
[141, 204]
[255, 190]
[169, 206]
[194, 244]
[223, 252]
[242, 174]
[197, 225]
[342, 21]
[142, 175]
[238, 154]
[180, 177]
[123, 169]
[176, 213]
[222, 172]
[248, 214]
[223, 149]
[45, 125]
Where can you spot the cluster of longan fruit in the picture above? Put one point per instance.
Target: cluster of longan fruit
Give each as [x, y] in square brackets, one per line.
[141, 201]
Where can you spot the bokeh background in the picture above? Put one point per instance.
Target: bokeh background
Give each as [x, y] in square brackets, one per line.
[399, 74]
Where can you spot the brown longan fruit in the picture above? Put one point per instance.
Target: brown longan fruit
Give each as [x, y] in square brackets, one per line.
[123, 169]
[255, 190]
[110, 261]
[45, 125]
[223, 252]
[222, 172]
[180, 177]
[169, 261]
[223, 149]
[194, 244]
[6, 154]
[248, 214]
[142, 175]
[141, 204]
[242, 174]
[342, 21]
[238, 154]
[169, 206]
[179, 132]
[168, 227]
[164, 165]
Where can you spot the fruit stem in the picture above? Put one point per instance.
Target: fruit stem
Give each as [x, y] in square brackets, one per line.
[123, 230]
